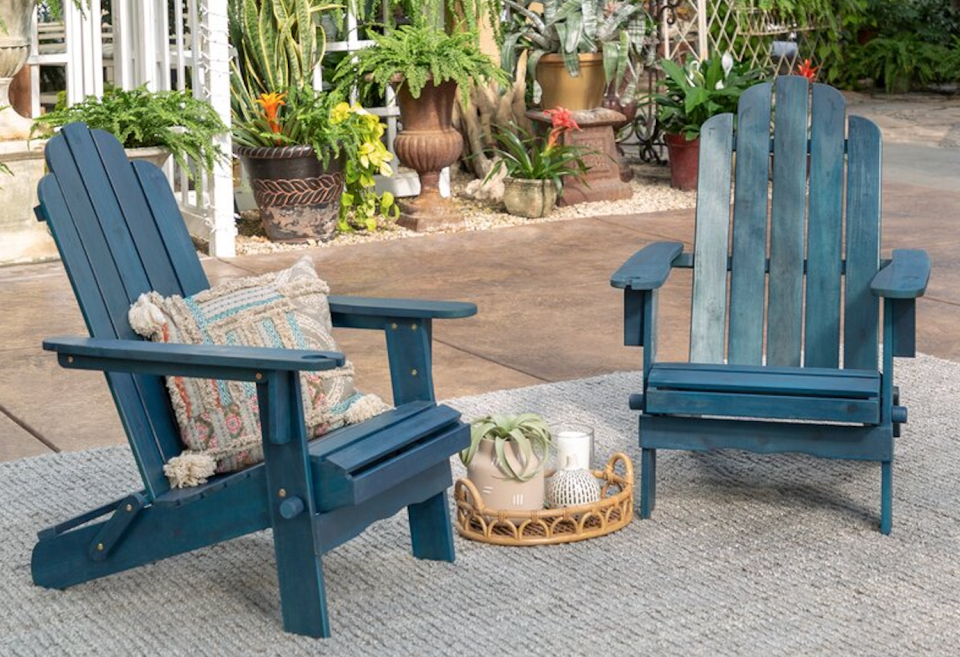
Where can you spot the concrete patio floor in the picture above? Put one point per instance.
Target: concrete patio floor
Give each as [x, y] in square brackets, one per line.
[547, 312]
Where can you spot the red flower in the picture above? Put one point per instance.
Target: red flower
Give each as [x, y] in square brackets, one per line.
[561, 120]
[807, 70]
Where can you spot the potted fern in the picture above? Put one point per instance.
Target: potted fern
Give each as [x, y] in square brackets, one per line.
[151, 125]
[306, 151]
[506, 459]
[578, 47]
[426, 66]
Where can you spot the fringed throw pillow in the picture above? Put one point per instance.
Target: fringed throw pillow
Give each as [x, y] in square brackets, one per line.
[219, 420]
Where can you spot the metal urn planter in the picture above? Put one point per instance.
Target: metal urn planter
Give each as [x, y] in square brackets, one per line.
[298, 198]
[427, 144]
[16, 16]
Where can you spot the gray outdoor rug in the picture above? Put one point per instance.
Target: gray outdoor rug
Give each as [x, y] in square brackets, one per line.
[745, 555]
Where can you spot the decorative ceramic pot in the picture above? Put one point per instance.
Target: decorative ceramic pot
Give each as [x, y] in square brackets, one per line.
[572, 486]
[560, 89]
[17, 16]
[497, 490]
[529, 198]
[684, 161]
[157, 155]
[427, 144]
[297, 197]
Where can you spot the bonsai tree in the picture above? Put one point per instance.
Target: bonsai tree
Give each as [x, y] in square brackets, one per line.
[139, 118]
[618, 30]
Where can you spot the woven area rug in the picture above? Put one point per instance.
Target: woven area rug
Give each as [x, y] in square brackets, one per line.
[745, 555]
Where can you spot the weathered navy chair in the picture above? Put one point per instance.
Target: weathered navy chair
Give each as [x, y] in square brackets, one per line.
[120, 233]
[804, 271]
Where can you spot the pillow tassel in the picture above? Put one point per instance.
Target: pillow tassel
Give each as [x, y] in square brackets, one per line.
[146, 317]
[190, 469]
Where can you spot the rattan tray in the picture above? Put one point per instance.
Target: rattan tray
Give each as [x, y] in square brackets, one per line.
[614, 511]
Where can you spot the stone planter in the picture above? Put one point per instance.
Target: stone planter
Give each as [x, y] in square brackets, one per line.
[298, 199]
[497, 490]
[529, 198]
[560, 89]
[427, 144]
[17, 15]
[684, 161]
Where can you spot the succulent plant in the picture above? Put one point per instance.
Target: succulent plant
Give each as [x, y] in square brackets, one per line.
[527, 431]
[619, 29]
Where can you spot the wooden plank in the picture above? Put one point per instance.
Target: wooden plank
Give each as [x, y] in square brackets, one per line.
[404, 308]
[411, 365]
[788, 214]
[906, 276]
[861, 307]
[431, 532]
[767, 407]
[862, 443]
[794, 383]
[173, 231]
[633, 302]
[709, 312]
[747, 275]
[648, 268]
[132, 206]
[770, 369]
[825, 229]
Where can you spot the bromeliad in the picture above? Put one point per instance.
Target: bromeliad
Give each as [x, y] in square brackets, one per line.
[271, 104]
[808, 70]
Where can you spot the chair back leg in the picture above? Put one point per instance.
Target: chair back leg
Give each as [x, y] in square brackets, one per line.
[886, 497]
[648, 481]
[430, 529]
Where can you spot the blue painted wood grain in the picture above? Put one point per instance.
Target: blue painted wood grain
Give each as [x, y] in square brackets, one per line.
[825, 229]
[787, 221]
[711, 241]
[648, 268]
[749, 252]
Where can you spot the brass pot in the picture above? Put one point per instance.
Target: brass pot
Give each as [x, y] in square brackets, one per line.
[529, 198]
[560, 89]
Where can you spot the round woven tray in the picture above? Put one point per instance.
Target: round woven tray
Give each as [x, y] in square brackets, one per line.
[614, 511]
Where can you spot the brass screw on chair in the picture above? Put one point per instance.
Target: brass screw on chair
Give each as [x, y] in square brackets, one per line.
[413, 326]
[258, 376]
[282, 492]
[129, 508]
[69, 359]
[393, 326]
[413, 372]
[99, 547]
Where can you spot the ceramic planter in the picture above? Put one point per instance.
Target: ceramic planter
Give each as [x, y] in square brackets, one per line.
[684, 161]
[529, 198]
[498, 491]
[427, 144]
[16, 16]
[560, 89]
[297, 197]
[157, 155]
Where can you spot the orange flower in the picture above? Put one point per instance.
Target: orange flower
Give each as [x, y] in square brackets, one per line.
[271, 104]
[561, 120]
[807, 70]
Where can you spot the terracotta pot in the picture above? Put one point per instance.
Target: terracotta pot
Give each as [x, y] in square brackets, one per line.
[297, 197]
[498, 491]
[529, 198]
[427, 144]
[684, 161]
[560, 89]
[16, 16]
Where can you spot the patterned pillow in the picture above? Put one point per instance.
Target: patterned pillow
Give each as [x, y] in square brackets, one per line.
[219, 420]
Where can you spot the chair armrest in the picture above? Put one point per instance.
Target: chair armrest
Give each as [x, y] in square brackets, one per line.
[648, 268]
[202, 361]
[402, 308]
[905, 277]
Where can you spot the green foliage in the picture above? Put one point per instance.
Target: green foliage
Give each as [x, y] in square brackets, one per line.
[901, 60]
[414, 54]
[699, 90]
[526, 156]
[621, 30]
[529, 432]
[139, 118]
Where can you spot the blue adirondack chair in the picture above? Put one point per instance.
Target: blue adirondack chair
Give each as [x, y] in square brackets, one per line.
[800, 278]
[120, 233]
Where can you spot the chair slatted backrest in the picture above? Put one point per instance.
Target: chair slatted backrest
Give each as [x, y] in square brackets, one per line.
[753, 262]
[120, 233]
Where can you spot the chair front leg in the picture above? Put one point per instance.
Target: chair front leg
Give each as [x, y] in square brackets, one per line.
[292, 511]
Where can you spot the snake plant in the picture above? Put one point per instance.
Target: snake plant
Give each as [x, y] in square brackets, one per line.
[528, 431]
[620, 30]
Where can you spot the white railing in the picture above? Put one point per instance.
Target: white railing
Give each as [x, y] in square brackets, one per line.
[138, 47]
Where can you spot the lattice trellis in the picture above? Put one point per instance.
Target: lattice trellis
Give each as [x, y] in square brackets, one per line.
[702, 27]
